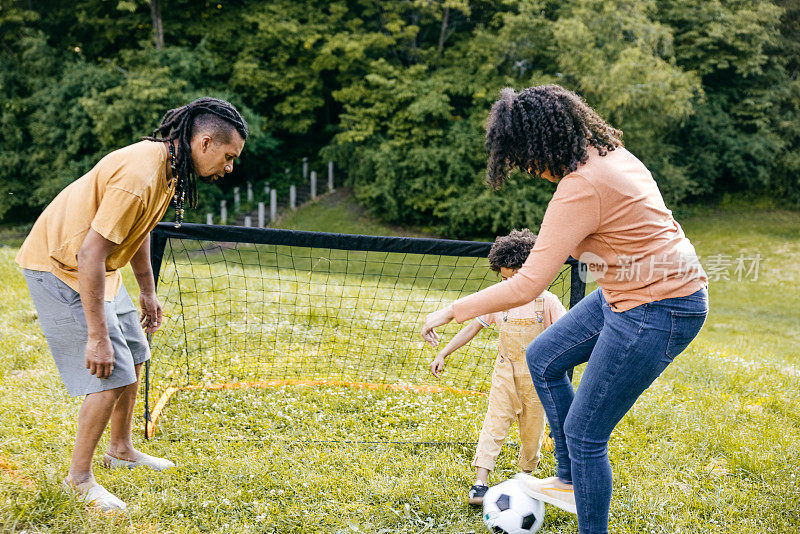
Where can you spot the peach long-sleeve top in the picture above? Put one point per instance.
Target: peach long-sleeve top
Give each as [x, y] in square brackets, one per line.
[609, 214]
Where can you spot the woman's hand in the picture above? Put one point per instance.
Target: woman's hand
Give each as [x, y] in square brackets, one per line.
[437, 318]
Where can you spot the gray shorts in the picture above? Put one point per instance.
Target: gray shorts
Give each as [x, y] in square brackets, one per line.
[64, 325]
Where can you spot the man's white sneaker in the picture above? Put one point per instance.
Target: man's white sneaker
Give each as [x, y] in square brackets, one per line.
[145, 460]
[96, 496]
[549, 490]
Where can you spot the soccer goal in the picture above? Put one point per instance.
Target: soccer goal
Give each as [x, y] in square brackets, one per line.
[248, 309]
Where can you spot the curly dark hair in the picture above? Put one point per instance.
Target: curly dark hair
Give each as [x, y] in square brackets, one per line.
[511, 251]
[543, 128]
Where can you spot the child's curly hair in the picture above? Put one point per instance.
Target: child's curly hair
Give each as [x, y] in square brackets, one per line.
[543, 128]
[511, 251]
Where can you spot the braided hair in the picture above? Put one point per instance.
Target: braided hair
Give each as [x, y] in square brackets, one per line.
[180, 124]
[543, 128]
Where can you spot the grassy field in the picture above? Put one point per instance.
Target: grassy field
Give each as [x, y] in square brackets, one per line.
[712, 446]
[339, 213]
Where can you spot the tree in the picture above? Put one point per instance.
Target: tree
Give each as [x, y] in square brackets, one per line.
[728, 144]
[397, 92]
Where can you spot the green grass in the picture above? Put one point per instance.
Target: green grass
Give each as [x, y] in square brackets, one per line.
[754, 319]
[712, 446]
[338, 213]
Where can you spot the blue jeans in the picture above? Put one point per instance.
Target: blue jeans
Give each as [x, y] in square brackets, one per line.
[625, 351]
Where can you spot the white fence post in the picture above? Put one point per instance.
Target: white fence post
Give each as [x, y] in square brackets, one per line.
[305, 169]
[209, 218]
[313, 185]
[266, 190]
[261, 215]
[330, 176]
[273, 205]
[247, 221]
[293, 197]
[223, 212]
[236, 200]
[249, 192]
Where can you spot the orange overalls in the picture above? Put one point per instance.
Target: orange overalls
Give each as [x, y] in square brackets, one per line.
[512, 396]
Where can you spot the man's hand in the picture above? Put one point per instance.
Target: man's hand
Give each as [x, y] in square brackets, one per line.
[152, 313]
[437, 365]
[100, 356]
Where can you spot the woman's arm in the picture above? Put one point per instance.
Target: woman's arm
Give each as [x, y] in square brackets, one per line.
[572, 215]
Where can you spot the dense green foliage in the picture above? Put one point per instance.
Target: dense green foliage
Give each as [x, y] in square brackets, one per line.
[706, 91]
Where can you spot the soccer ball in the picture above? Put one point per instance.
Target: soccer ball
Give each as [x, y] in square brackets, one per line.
[508, 509]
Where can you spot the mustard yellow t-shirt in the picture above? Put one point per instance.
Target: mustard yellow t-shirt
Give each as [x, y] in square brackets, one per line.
[122, 198]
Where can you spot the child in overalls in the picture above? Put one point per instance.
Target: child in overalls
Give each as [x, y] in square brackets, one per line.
[512, 396]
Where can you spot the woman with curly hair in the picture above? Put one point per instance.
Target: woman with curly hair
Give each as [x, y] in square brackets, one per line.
[652, 301]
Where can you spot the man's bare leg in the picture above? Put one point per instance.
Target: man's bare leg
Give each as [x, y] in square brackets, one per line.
[121, 451]
[92, 421]
[121, 443]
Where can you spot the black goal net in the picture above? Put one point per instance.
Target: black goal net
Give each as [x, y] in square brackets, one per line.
[277, 309]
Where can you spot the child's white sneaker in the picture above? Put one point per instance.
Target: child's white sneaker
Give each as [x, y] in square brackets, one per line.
[550, 490]
[476, 493]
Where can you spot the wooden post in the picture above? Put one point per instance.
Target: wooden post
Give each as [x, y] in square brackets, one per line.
[236, 200]
[209, 218]
[223, 212]
[266, 190]
[261, 215]
[293, 197]
[273, 205]
[247, 221]
[313, 185]
[305, 169]
[249, 192]
[330, 176]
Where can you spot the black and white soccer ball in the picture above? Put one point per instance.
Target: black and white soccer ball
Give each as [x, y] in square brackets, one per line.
[507, 509]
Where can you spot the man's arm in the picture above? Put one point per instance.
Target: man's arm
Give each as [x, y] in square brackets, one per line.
[151, 309]
[91, 287]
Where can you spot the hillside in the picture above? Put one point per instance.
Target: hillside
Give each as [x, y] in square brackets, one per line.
[338, 212]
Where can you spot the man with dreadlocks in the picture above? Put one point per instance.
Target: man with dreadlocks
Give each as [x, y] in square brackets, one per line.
[606, 211]
[71, 261]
